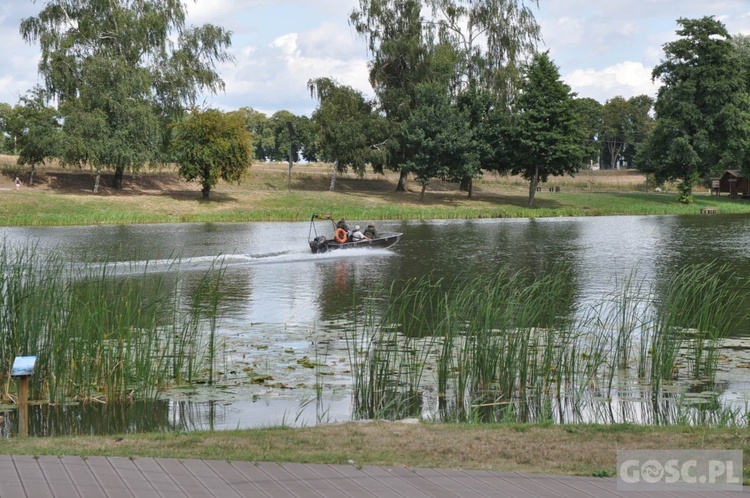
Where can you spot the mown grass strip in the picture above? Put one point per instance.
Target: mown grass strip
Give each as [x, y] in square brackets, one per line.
[579, 450]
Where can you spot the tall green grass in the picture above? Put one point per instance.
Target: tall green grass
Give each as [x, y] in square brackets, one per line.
[516, 346]
[101, 331]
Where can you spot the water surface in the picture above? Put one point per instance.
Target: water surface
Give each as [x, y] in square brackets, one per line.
[285, 309]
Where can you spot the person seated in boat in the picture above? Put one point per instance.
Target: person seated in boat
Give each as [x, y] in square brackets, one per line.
[343, 226]
[357, 234]
[370, 232]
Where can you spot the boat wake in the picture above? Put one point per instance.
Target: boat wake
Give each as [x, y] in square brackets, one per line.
[203, 263]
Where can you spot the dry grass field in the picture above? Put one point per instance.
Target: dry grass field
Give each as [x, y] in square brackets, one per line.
[310, 176]
[65, 196]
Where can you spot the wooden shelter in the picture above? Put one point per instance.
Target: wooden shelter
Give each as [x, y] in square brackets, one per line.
[732, 183]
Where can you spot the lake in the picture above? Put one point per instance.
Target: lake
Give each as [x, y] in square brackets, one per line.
[285, 312]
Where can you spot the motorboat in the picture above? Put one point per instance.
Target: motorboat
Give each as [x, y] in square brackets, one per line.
[342, 239]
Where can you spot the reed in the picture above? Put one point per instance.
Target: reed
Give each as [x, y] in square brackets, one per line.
[100, 331]
[389, 351]
[518, 346]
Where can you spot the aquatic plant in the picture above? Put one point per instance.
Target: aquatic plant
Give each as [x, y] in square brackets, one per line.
[101, 331]
[515, 345]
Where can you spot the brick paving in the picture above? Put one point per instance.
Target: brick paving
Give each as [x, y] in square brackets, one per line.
[95, 477]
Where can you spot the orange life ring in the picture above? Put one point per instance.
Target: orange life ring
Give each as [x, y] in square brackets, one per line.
[340, 235]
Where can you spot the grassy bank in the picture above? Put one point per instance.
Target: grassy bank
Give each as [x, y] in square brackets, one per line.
[65, 197]
[520, 448]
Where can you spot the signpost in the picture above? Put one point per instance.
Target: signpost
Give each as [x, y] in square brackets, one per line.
[23, 369]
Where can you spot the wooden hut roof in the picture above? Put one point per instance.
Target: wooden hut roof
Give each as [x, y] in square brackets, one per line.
[732, 172]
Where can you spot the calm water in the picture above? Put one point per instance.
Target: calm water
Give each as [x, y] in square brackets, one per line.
[281, 303]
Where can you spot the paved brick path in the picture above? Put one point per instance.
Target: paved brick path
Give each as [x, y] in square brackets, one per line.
[71, 476]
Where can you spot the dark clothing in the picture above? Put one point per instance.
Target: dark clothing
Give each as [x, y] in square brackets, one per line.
[371, 233]
[342, 224]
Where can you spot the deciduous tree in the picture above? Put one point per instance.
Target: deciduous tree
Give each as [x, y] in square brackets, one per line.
[260, 128]
[490, 38]
[702, 108]
[590, 118]
[10, 128]
[39, 137]
[344, 123]
[625, 124]
[475, 43]
[125, 65]
[210, 145]
[439, 135]
[400, 47]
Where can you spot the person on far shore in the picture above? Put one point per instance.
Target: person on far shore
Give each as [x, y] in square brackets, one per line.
[370, 231]
[18, 183]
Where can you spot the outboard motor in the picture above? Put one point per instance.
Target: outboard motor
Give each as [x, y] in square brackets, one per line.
[318, 244]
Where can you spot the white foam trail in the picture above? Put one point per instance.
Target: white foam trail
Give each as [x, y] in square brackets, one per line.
[196, 263]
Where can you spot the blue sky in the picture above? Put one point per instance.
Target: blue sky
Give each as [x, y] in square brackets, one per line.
[604, 48]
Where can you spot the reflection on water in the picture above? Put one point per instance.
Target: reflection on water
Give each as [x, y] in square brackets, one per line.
[95, 419]
[276, 293]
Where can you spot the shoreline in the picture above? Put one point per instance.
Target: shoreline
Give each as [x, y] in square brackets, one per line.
[64, 197]
[529, 448]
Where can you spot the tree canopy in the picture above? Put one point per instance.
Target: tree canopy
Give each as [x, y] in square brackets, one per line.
[127, 67]
[440, 137]
[625, 123]
[461, 44]
[702, 109]
[346, 127]
[489, 37]
[210, 145]
[590, 118]
[545, 138]
[38, 134]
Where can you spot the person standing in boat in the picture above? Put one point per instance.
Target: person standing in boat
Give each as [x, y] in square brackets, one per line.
[370, 232]
[357, 234]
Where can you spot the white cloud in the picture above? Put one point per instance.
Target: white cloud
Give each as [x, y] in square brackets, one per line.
[215, 11]
[625, 79]
[274, 77]
[603, 49]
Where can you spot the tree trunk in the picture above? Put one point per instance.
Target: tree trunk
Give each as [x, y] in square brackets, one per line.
[421, 195]
[96, 182]
[614, 154]
[117, 180]
[533, 184]
[206, 190]
[465, 184]
[31, 176]
[289, 185]
[401, 187]
[333, 176]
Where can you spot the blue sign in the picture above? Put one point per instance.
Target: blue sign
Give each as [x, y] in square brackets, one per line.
[23, 366]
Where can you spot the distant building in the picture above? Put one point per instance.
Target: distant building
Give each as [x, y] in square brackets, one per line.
[732, 183]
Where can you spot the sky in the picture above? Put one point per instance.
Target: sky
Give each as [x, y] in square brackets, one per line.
[603, 48]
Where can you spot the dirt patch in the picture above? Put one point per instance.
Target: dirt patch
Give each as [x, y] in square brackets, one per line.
[76, 182]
